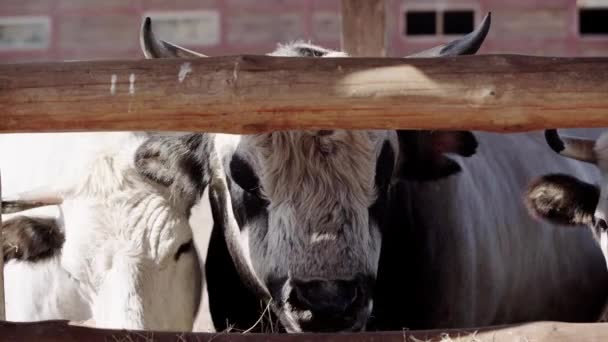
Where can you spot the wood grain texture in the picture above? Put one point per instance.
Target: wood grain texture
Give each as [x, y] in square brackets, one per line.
[364, 28]
[254, 94]
[51, 331]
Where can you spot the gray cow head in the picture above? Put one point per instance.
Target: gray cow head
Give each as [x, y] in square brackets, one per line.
[566, 200]
[310, 205]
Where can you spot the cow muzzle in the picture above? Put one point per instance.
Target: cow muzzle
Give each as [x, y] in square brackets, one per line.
[323, 305]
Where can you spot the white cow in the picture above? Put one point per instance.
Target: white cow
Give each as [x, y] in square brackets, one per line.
[117, 251]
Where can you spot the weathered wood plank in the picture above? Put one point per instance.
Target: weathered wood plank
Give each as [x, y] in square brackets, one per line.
[364, 28]
[51, 331]
[252, 94]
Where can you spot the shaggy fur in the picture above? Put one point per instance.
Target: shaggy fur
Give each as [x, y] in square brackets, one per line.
[30, 238]
[563, 199]
[127, 240]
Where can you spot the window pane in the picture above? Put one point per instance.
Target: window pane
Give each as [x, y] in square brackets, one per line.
[420, 23]
[593, 21]
[24, 33]
[458, 22]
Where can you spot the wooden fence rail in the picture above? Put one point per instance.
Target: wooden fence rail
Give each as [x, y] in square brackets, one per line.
[252, 94]
[52, 331]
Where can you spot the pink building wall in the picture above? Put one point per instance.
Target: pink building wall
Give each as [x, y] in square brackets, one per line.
[108, 29]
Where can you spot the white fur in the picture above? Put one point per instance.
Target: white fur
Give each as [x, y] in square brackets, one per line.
[116, 267]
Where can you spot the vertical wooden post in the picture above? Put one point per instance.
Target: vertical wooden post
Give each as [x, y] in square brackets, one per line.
[364, 28]
[2, 307]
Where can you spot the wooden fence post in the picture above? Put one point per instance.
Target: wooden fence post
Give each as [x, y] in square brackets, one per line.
[2, 306]
[364, 28]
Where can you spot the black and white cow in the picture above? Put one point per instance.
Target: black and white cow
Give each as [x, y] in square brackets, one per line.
[344, 230]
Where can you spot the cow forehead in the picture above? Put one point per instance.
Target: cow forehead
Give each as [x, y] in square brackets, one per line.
[141, 225]
[342, 163]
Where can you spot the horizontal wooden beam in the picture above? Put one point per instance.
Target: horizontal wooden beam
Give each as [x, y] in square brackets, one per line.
[51, 331]
[254, 94]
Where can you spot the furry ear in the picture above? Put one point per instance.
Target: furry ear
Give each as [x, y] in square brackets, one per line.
[306, 50]
[422, 153]
[177, 162]
[562, 199]
[31, 238]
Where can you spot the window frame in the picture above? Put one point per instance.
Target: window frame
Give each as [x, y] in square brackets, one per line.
[588, 4]
[46, 22]
[439, 9]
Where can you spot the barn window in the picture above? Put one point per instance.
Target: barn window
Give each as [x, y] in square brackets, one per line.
[420, 23]
[188, 27]
[458, 22]
[18, 33]
[593, 21]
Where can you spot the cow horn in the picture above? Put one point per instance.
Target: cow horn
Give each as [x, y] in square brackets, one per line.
[467, 45]
[30, 200]
[221, 210]
[153, 47]
[576, 148]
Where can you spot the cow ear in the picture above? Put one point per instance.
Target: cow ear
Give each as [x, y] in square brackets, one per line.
[562, 199]
[422, 153]
[31, 238]
[177, 162]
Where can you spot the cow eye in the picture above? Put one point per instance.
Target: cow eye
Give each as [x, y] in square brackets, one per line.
[243, 175]
[184, 248]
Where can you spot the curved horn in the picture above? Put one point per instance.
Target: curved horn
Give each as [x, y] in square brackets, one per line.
[467, 45]
[576, 148]
[221, 210]
[153, 47]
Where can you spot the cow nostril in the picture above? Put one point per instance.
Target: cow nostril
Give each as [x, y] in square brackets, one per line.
[325, 297]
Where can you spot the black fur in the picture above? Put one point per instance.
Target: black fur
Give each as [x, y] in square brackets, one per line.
[384, 172]
[232, 303]
[178, 162]
[242, 173]
[562, 199]
[31, 238]
[422, 153]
